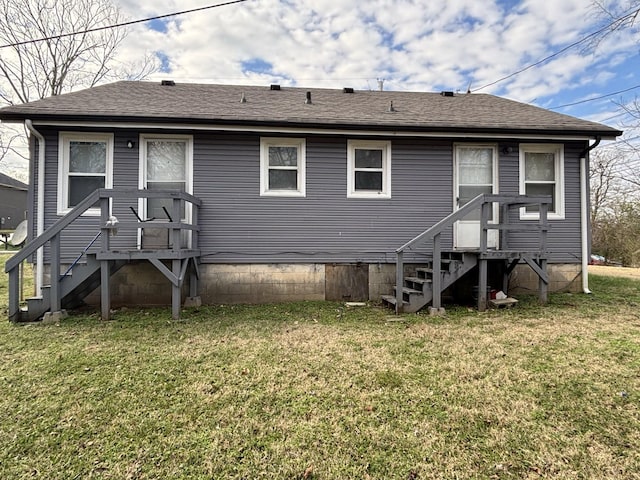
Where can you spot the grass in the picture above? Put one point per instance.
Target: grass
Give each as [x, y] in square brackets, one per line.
[321, 391]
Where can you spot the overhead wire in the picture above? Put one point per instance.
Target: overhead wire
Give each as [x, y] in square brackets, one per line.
[594, 98]
[122, 24]
[628, 14]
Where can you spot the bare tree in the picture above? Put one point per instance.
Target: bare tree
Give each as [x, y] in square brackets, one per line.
[604, 181]
[615, 15]
[39, 57]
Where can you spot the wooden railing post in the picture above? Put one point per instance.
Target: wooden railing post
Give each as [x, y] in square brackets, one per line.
[194, 221]
[175, 235]
[104, 218]
[105, 265]
[543, 287]
[485, 214]
[505, 211]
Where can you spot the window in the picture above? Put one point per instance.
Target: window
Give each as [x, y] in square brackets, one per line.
[282, 167]
[85, 164]
[368, 169]
[542, 173]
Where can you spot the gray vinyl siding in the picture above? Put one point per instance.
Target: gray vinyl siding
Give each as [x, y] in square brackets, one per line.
[125, 175]
[240, 226]
[564, 235]
[325, 226]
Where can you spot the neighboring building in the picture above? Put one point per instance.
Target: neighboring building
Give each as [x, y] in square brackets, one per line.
[13, 202]
[305, 193]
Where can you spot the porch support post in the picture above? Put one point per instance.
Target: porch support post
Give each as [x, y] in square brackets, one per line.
[56, 301]
[105, 299]
[175, 289]
[14, 294]
[543, 285]
[193, 279]
[437, 273]
[399, 281]
[482, 285]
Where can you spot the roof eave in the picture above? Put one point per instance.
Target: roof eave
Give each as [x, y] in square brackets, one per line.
[605, 134]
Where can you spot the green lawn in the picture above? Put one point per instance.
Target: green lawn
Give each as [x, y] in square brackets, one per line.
[321, 391]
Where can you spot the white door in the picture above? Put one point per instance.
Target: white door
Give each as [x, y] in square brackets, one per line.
[475, 173]
[165, 165]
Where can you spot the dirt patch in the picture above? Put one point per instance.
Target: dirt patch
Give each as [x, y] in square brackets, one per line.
[615, 271]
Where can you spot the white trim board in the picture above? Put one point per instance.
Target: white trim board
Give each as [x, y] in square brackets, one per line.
[318, 131]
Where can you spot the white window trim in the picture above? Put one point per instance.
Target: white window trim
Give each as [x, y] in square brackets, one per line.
[64, 140]
[385, 146]
[142, 178]
[558, 151]
[301, 145]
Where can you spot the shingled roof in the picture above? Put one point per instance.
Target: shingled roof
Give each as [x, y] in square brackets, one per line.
[147, 102]
[7, 181]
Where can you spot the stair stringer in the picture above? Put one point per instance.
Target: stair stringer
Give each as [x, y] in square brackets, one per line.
[84, 279]
[418, 288]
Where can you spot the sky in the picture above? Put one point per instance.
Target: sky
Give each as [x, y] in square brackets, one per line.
[412, 45]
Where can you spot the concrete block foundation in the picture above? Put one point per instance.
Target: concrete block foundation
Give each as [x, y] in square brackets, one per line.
[141, 284]
[563, 277]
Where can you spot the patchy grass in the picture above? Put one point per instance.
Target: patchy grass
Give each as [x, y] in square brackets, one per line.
[321, 391]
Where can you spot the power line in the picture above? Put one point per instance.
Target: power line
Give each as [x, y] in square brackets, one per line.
[618, 20]
[595, 98]
[123, 24]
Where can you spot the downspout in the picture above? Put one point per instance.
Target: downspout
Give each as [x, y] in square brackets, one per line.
[40, 201]
[584, 214]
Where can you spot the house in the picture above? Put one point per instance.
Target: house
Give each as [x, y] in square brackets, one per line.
[13, 204]
[290, 194]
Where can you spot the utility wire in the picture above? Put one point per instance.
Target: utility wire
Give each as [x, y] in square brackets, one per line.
[123, 24]
[595, 98]
[634, 12]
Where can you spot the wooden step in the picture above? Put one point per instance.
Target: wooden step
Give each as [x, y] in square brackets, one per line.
[418, 280]
[409, 291]
[392, 300]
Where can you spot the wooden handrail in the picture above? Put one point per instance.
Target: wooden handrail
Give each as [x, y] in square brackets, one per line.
[449, 220]
[483, 202]
[102, 196]
[31, 247]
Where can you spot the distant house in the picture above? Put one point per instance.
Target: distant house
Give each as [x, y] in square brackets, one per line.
[13, 202]
[293, 194]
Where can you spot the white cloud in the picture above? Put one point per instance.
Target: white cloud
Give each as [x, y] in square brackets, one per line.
[412, 44]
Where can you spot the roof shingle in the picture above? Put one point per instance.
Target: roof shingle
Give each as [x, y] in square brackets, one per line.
[220, 104]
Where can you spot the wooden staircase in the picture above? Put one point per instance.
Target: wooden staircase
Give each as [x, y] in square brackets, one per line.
[417, 289]
[83, 279]
[424, 286]
[92, 270]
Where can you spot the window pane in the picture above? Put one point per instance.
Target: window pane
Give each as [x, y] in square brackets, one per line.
[283, 180]
[154, 205]
[369, 181]
[283, 156]
[539, 167]
[541, 189]
[166, 160]
[87, 157]
[81, 187]
[368, 158]
[468, 193]
[475, 166]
